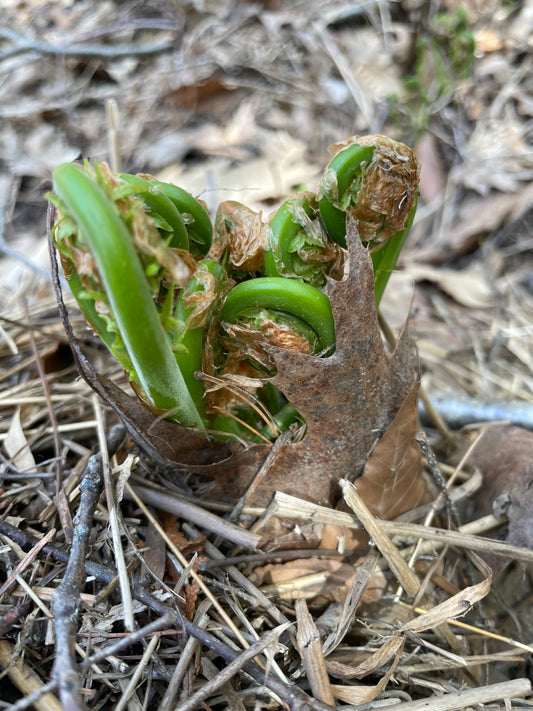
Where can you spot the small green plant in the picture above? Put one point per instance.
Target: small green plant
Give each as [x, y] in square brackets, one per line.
[444, 57]
[179, 302]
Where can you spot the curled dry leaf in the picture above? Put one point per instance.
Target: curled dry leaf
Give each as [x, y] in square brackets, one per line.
[335, 579]
[243, 232]
[392, 481]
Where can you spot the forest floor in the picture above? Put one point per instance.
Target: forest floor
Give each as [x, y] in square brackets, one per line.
[239, 101]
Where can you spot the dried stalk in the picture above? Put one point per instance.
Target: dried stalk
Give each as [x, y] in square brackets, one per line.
[67, 600]
[517, 688]
[286, 506]
[399, 567]
[99, 656]
[310, 649]
[201, 619]
[233, 667]
[114, 522]
[172, 503]
[261, 600]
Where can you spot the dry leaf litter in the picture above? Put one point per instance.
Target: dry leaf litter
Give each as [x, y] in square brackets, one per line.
[294, 605]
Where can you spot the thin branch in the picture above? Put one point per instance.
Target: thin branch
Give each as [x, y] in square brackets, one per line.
[100, 656]
[67, 600]
[22, 45]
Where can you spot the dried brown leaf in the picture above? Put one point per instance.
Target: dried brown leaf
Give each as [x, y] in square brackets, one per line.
[243, 232]
[346, 399]
[480, 216]
[432, 179]
[392, 481]
[17, 446]
[332, 586]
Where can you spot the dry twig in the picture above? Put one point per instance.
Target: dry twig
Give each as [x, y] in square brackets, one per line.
[23, 45]
[67, 599]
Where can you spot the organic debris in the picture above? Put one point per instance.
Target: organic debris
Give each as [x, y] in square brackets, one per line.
[238, 101]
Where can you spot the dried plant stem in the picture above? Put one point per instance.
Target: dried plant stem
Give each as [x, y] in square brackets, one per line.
[113, 134]
[399, 567]
[261, 600]
[517, 688]
[26, 680]
[99, 656]
[355, 593]
[172, 503]
[478, 630]
[58, 465]
[201, 619]
[186, 564]
[286, 506]
[67, 600]
[23, 564]
[114, 522]
[310, 649]
[233, 700]
[280, 442]
[134, 680]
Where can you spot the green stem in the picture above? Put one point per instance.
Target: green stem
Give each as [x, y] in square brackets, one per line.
[384, 259]
[102, 227]
[189, 353]
[198, 223]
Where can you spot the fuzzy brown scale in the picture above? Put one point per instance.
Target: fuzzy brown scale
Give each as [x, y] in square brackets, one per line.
[388, 188]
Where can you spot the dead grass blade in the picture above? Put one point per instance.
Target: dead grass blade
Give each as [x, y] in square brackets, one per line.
[387, 650]
[355, 593]
[310, 649]
[456, 606]
[364, 693]
[399, 567]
